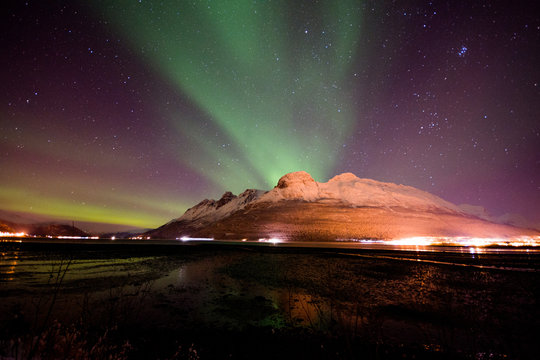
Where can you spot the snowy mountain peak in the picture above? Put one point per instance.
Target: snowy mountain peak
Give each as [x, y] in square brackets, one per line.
[346, 189]
[345, 177]
[297, 185]
[212, 210]
[352, 191]
[226, 198]
[250, 194]
[295, 179]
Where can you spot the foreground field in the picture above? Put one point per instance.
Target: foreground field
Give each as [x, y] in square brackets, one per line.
[188, 302]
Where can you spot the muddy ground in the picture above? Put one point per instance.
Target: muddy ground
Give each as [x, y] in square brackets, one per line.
[240, 302]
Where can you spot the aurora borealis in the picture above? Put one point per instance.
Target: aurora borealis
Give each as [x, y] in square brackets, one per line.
[129, 112]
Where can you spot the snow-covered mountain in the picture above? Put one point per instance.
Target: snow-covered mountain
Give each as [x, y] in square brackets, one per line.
[211, 210]
[344, 207]
[350, 190]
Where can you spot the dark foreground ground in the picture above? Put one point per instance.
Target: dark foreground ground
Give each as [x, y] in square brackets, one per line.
[247, 302]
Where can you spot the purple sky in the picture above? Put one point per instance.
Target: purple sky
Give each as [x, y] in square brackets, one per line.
[129, 112]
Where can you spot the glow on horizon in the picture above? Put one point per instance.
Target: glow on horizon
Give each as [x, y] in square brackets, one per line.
[464, 241]
[149, 212]
[473, 243]
[10, 234]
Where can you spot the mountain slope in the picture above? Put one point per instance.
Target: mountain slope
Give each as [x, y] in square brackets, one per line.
[344, 207]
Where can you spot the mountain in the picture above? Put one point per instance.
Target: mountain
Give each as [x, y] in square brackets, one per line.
[124, 234]
[516, 220]
[206, 213]
[43, 229]
[344, 207]
[507, 219]
[476, 210]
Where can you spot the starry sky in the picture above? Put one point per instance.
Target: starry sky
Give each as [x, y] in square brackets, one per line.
[129, 112]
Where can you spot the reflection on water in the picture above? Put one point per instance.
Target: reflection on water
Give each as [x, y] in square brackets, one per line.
[8, 263]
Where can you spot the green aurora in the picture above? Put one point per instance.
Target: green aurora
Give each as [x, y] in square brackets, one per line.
[129, 112]
[277, 91]
[255, 89]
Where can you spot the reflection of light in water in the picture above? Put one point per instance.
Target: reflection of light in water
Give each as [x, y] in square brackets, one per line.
[11, 264]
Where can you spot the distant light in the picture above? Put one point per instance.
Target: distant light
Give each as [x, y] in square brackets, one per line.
[113, 237]
[74, 237]
[187, 238]
[416, 240]
[10, 234]
[473, 242]
[369, 241]
[273, 240]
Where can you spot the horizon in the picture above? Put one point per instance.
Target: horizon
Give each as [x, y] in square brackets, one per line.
[100, 228]
[129, 113]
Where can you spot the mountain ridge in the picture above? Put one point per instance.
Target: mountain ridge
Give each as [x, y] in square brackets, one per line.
[41, 229]
[344, 207]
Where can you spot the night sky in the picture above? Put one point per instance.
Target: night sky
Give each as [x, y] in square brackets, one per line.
[129, 112]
